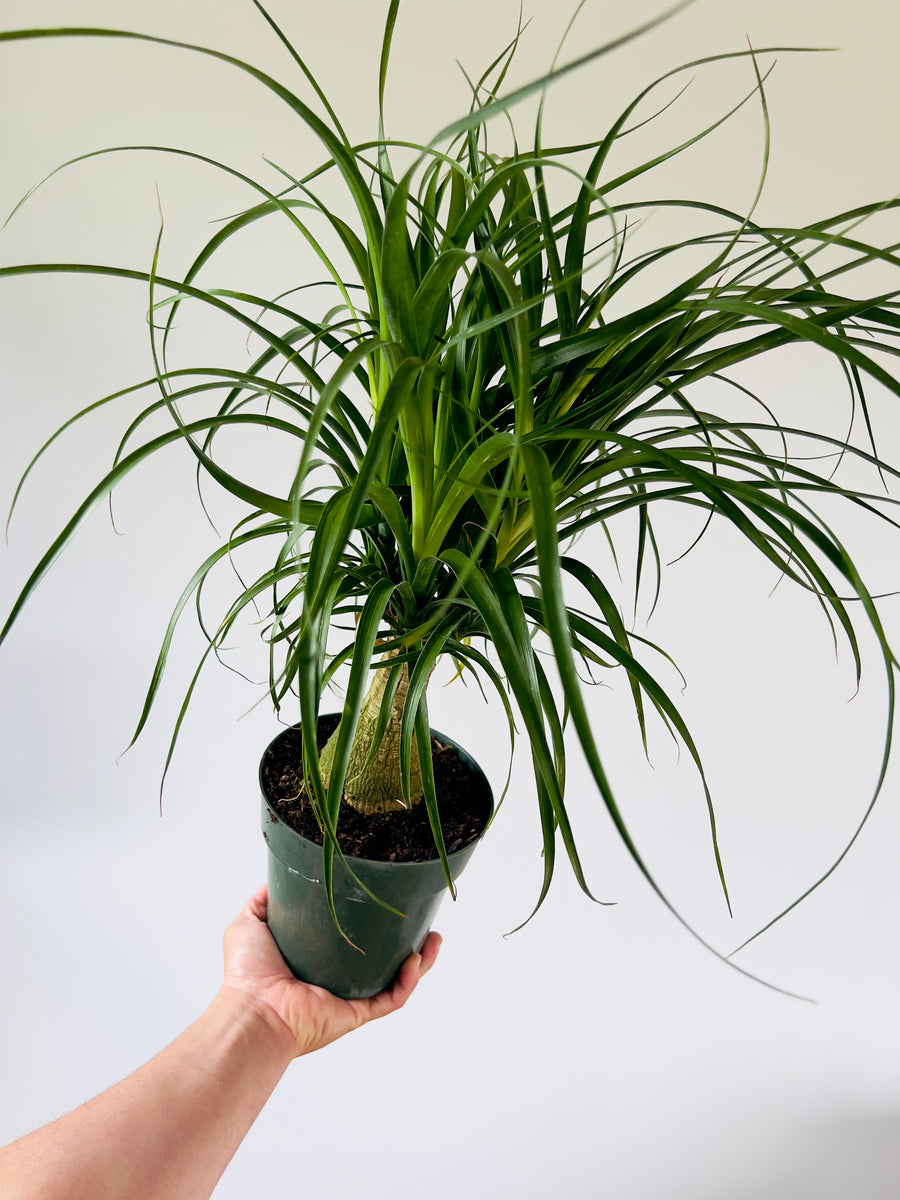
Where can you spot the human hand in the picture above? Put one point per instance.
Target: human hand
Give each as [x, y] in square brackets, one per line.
[256, 972]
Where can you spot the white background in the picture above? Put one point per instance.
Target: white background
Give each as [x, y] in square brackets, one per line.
[600, 1051]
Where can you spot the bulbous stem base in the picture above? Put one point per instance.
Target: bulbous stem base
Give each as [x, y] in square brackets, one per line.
[373, 775]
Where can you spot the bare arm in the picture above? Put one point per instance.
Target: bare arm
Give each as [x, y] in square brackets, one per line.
[168, 1131]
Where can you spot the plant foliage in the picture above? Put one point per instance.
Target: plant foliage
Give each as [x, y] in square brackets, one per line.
[482, 389]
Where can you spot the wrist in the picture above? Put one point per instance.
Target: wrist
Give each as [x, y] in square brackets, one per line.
[241, 1009]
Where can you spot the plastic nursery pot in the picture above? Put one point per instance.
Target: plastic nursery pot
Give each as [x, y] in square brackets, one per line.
[300, 919]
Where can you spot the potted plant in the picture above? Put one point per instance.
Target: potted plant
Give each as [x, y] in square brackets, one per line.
[496, 372]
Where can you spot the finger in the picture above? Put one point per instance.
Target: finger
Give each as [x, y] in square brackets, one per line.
[257, 906]
[429, 952]
[396, 995]
[254, 910]
[405, 984]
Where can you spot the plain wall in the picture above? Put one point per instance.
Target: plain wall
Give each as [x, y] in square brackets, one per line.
[601, 1050]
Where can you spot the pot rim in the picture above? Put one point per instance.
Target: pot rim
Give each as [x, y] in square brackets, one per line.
[466, 758]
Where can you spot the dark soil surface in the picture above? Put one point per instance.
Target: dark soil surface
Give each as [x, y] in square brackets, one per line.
[463, 801]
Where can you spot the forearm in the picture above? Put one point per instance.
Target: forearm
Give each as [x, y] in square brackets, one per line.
[168, 1131]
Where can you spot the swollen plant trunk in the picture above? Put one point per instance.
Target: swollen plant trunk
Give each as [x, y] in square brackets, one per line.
[373, 775]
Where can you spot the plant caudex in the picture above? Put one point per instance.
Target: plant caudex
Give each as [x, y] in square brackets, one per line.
[480, 392]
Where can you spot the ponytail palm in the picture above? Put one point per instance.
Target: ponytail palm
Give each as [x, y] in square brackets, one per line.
[496, 374]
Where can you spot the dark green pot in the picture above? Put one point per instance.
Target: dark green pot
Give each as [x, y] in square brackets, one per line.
[302, 924]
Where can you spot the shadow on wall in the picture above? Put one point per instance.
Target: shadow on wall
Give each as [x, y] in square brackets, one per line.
[848, 1158]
